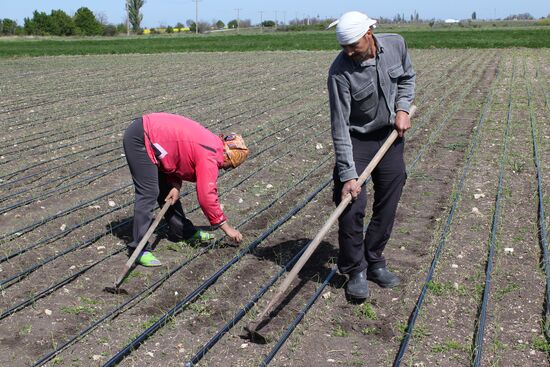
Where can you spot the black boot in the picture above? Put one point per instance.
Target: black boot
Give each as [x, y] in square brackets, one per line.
[358, 286]
[383, 277]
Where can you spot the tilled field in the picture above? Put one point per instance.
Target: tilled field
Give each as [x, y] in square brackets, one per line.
[470, 241]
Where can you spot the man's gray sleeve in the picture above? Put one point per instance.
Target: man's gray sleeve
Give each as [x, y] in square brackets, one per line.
[405, 83]
[340, 102]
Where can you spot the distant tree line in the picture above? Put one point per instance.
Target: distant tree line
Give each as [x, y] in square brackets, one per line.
[58, 23]
[85, 23]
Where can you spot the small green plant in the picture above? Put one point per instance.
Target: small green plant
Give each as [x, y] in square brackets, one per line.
[25, 330]
[366, 310]
[539, 343]
[147, 324]
[77, 310]
[419, 331]
[132, 275]
[370, 331]
[455, 146]
[57, 361]
[510, 287]
[340, 331]
[440, 289]
[88, 301]
[518, 166]
[448, 346]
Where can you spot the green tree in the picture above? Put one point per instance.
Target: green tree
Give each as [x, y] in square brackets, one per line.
[232, 24]
[220, 24]
[474, 16]
[8, 26]
[121, 28]
[37, 25]
[134, 15]
[60, 24]
[109, 30]
[87, 23]
[268, 23]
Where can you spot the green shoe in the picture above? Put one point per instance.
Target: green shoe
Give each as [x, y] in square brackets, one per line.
[146, 258]
[201, 236]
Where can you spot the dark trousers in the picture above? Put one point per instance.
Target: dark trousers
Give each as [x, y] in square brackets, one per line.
[357, 251]
[151, 187]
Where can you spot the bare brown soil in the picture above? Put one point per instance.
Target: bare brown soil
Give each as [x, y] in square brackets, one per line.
[66, 205]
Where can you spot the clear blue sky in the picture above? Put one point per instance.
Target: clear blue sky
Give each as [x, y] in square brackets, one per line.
[169, 12]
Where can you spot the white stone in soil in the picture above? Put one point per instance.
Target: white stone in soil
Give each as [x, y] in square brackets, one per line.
[508, 250]
[48, 312]
[111, 203]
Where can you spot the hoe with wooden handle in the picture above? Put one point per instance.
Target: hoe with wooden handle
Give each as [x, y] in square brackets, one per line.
[253, 328]
[130, 263]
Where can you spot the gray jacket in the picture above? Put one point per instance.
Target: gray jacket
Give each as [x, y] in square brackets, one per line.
[350, 89]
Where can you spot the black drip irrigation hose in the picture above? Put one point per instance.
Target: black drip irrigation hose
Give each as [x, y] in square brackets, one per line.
[482, 315]
[19, 232]
[543, 232]
[14, 279]
[241, 312]
[56, 286]
[119, 309]
[298, 318]
[42, 173]
[90, 179]
[206, 347]
[30, 227]
[10, 175]
[456, 197]
[60, 189]
[9, 195]
[6, 283]
[134, 344]
[160, 281]
[65, 233]
[139, 97]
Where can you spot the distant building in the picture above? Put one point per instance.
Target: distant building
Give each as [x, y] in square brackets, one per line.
[451, 21]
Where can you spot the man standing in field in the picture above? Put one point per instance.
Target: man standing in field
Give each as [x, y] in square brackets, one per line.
[371, 89]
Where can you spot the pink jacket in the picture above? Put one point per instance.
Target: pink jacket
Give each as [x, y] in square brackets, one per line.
[185, 150]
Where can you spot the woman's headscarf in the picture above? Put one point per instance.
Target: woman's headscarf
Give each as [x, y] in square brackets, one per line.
[235, 149]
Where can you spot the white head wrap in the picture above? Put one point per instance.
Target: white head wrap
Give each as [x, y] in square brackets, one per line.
[352, 26]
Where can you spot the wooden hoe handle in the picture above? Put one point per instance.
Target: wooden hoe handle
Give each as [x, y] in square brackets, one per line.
[330, 221]
[141, 244]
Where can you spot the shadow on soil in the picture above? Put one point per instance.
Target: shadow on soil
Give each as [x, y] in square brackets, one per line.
[316, 268]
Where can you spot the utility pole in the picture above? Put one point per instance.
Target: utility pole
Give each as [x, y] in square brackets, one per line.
[238, 19]
[276, 21]
[261, 20]
[127, 18]
[197, 15]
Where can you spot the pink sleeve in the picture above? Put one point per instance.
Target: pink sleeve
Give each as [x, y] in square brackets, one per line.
[207, 191]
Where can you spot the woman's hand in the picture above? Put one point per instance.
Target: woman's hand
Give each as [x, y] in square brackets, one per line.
[232, 233]
[173, 196]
